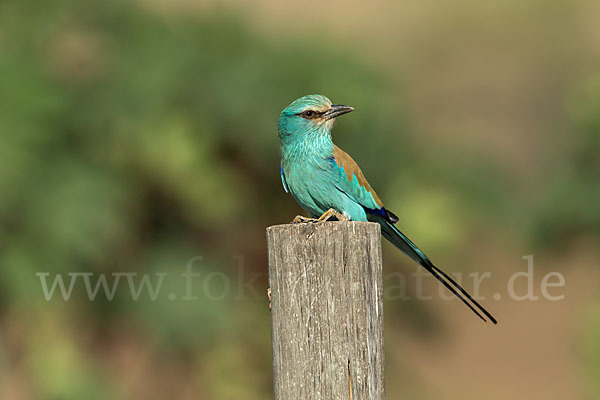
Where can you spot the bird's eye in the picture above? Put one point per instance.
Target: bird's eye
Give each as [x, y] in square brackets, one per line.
[308, 114]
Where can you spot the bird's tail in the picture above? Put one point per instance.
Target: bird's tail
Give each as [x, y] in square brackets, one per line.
[401, 241]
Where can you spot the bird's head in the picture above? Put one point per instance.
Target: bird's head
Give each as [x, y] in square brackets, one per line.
[309, 115]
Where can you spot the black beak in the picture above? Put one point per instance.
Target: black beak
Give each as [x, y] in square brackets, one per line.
[336, 110]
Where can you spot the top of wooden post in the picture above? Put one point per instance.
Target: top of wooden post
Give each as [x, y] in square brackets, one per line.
[321, 225]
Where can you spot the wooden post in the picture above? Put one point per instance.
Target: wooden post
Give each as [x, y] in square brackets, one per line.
[327, 311]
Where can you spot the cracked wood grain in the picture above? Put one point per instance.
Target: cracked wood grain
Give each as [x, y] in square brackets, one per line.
[327, 311]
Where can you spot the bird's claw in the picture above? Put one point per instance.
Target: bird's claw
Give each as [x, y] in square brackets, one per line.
[299, 219]
[326, 216]
[331, 213]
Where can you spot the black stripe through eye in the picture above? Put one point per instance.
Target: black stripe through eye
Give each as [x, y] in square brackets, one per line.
[310, 114]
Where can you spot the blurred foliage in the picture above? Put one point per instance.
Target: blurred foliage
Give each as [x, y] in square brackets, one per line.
[570, 204]
[133, 142]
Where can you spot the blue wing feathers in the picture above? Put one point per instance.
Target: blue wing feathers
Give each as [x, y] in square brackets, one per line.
[353, 188]
[285, 186]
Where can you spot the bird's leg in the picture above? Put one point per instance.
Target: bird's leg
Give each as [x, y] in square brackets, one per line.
[299, 219]
[327, 215]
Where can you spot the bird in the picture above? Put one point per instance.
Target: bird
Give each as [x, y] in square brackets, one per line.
[327, 183]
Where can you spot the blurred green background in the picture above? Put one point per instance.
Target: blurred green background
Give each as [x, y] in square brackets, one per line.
[138, 135]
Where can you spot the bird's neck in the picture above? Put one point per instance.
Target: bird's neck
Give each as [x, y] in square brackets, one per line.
[310, 148]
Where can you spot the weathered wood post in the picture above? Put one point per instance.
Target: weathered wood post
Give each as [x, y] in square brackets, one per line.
[327, 311]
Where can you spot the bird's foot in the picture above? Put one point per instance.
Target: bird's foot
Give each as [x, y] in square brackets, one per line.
[303, 220]
[331, 213]
[269, 296]
[326, 216]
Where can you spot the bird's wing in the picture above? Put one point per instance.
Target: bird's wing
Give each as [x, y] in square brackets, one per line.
[283, 182]
[352, 181]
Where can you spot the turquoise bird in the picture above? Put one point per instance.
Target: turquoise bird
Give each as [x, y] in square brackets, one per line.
[328, 183]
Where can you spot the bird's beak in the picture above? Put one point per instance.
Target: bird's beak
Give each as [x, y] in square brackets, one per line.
[336, 110]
